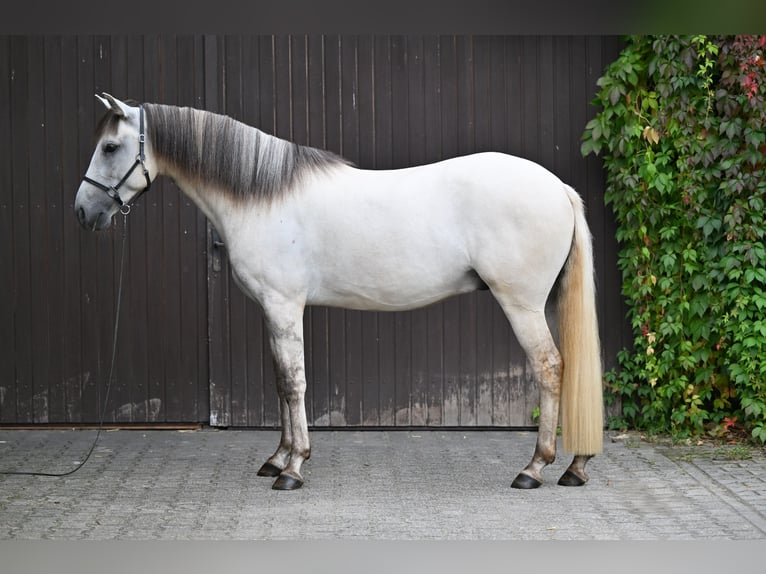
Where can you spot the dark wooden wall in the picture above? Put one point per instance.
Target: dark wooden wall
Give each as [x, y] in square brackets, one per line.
[191, 347]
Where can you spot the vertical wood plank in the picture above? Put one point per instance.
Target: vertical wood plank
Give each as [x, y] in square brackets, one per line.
[423, 95]
[108, 261]
[507, 359]
[457, 70]
[319, 327]
[282, 88]
[299, 111]
[238, 303]
[336, 333]
[172, 295]
[545, 98]
[487, 114]
[349, 59]
[498, 94]
[383, 151]
[267, 69]
[401, 66]
[135, 355]
[124, 385]
[514, 56]
[192, 364]
[433, 316]
[23, 390]
[491, 119]
[158, 338]
[201, 256]
[39, 238]
[564, 144]
[72, 366]
[244, 63]
[92, 247]
[7, 213]
[218, 278]
[367, 93]
[54, 201]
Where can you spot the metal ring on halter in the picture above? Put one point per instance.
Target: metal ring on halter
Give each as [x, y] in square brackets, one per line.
[125, 208]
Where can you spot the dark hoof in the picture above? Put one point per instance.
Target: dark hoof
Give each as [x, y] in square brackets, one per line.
[287, 482]
[569, 478]
[526, 482]
[269, 469]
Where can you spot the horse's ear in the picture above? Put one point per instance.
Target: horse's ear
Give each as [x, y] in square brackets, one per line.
[103, 101]
[118, 107]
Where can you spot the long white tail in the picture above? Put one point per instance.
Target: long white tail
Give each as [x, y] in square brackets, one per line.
[582, 401]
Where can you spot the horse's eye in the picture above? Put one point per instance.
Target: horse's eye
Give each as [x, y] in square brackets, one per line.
[110, 147]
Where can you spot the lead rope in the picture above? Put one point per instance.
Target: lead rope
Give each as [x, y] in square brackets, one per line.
[111, 365]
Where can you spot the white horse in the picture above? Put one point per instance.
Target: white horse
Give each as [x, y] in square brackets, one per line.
[304, 227]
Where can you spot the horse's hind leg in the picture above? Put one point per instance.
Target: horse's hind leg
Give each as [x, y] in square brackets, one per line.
[575, 475]
[532, 332]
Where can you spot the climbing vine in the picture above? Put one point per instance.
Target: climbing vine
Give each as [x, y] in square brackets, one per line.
[682, 133]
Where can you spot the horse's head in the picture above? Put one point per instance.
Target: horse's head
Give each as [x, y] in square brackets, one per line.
[120, 169]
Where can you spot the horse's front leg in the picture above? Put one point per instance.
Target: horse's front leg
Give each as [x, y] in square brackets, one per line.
[285, 323]
[278, 461]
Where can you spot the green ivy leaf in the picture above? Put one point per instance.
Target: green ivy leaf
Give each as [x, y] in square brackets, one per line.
[683, 149]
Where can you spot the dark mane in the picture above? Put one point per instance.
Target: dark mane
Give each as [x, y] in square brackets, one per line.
[238, 159]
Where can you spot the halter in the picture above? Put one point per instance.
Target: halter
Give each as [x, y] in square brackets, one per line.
[112, 190]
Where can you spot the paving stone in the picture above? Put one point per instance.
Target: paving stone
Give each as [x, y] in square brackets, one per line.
[424, 484]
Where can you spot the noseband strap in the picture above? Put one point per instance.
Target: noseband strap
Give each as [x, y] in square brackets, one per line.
[113, 190]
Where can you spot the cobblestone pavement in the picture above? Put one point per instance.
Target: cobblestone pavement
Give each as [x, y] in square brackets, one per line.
[429, 484]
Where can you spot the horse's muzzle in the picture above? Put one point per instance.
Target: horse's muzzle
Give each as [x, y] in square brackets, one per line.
[97, 223]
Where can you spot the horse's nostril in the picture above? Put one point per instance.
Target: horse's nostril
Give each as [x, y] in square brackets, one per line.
[81, 216]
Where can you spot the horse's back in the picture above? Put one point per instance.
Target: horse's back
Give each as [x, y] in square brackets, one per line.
[404, 238]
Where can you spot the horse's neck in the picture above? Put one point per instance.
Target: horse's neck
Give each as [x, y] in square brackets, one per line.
[195, 186]
[214, 205]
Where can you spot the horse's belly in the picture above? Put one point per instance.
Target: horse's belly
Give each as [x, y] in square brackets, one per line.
[392, 292]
